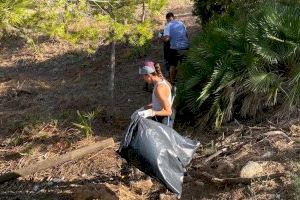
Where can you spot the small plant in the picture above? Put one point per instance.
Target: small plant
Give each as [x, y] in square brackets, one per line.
[15, 140]
[85, 122]
[28, 151]
[296, 184]
[210, 149]
[295, 178]
[140, 51]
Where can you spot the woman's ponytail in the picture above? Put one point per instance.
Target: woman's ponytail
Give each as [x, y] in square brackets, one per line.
[158, 70]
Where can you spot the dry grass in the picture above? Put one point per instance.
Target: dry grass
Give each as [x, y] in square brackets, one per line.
[39, 97]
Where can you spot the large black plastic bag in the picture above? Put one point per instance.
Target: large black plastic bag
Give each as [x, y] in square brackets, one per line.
[158, 151]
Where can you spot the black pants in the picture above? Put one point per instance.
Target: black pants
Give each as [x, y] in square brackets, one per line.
[158, 118]
[176, 56]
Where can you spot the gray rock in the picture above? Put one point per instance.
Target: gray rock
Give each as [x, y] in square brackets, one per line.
[50, 183]
[36, 188]
[251, 170]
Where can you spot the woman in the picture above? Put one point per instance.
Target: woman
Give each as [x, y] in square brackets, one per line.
[161, 105]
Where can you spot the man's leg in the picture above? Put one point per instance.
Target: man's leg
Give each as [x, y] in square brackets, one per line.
[179, 56]
[173, 72]
[173, 65]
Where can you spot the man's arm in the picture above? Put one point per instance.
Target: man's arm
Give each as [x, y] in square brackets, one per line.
[165, 38]
[166, 35]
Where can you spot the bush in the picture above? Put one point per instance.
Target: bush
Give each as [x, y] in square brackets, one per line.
[206, 9]
[14, 15]
[248, 63]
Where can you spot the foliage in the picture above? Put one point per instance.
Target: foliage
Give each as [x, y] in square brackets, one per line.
[85, 122]
[210, 9]
[123, 23]
[14, 15]
[156, 5]
[140, 51]
[70, 20]
[206, 9]
[248, 64]
[296, 184]
[79, 21]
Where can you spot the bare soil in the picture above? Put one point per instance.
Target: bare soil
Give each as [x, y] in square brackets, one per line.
[41, 90]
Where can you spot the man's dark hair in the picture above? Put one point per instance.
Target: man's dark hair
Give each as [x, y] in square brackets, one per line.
[169, 15]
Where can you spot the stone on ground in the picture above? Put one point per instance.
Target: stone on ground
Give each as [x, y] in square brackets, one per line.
[251, 170]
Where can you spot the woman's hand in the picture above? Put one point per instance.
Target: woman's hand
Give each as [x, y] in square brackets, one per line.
[146, 113]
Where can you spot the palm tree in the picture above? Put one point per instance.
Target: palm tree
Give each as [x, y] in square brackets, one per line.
[241, 64]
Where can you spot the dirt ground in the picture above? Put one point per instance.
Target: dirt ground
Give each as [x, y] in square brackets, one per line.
[40, 92]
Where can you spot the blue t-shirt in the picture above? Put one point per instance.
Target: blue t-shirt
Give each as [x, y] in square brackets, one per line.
[176, 30]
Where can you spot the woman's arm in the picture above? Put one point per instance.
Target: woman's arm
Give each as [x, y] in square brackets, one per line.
[162, 93]
[148, 106]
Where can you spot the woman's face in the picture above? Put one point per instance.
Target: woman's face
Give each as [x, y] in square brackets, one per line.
[147, 78]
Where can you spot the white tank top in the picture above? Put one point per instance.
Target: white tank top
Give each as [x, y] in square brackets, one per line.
[156, 105]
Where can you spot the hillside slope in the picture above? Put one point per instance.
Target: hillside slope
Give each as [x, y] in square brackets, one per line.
[40, 93]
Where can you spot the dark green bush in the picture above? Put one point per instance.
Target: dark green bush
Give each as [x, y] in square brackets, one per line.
[244, 63]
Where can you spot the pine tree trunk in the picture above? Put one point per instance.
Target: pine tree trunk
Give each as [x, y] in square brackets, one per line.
[112, 70]
[143, 11]
[64, 18]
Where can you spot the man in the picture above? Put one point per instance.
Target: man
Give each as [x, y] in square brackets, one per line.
[175, 32]
[166, 45]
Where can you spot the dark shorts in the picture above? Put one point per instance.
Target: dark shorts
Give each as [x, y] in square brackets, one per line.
[158, 118]
[176, 56]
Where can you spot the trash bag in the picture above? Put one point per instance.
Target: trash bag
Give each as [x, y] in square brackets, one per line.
[158, 150]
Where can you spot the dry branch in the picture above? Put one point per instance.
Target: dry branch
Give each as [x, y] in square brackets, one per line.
[215, 155]
[210, 178]
[236, 148]
[57, 160]
[273, 133]
[295, 139]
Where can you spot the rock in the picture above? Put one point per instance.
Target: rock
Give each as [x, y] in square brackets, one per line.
[188, 178]
[199, 183]
[36, 188]
[141, 187]
[57, 180]
[225, 167]
[74, 185]
[295, 130]
[50, 183]
[90, 191]
[166, 197]
[251, 170]
[56, 69]
[268, 154]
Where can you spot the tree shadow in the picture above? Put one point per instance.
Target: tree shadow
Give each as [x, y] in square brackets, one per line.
[59, 189]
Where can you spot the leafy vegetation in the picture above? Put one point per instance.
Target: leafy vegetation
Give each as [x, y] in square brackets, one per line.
[14, 15]
[84, 122]
[249, 63]
[296, 184]
[79, 21]
[208, 8]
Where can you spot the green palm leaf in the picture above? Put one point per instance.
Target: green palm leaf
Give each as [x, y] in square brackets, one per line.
[244, 63]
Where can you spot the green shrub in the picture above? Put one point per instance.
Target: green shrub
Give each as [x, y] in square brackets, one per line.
[14, 15]
[243, 64]
[84, 122]
[296, 184]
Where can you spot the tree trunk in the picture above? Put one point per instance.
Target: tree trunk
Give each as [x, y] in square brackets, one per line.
[57, 160]
[143, 12]
[112, 70]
